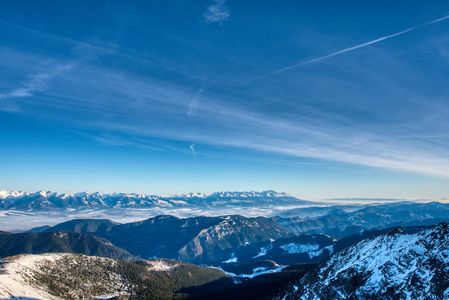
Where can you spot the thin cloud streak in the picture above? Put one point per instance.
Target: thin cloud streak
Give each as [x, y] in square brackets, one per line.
[356, 47]
[193, 106]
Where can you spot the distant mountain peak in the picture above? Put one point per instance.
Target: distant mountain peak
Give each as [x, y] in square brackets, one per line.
[268, 193]
[5, 194]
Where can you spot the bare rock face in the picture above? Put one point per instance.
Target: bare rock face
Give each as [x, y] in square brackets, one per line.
[390, 266]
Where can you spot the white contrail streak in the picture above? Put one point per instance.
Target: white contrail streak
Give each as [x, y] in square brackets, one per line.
[357, 46]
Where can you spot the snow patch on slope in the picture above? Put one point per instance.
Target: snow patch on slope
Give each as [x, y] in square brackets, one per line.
[233, 259]
[292, 248]
[14, 283]
[264, 250]
[256, 272]
[160, 265]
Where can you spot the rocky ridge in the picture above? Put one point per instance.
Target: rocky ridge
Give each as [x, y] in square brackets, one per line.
[388, 266]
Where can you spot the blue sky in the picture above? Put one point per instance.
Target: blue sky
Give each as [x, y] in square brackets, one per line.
[316, 98]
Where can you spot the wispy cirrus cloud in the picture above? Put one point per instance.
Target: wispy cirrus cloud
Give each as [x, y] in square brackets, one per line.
[89, 50]
[222, 125]
[80, 46]
[34, 83]
[140, 107]
[104, 99]
[217, 11]
[193, 106]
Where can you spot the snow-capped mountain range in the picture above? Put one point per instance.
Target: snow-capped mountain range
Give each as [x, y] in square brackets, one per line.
[390, 266]
[52, 200]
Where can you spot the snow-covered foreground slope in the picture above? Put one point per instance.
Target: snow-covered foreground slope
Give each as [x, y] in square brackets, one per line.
[15, 277]
[28, 276]
[74, 276]
[392, 266]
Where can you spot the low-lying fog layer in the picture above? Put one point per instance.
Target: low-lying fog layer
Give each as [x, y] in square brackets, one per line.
[19, 221]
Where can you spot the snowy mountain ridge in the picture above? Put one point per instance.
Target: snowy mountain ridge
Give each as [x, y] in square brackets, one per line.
[391, 266]
[53, 200]
[4, 194]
